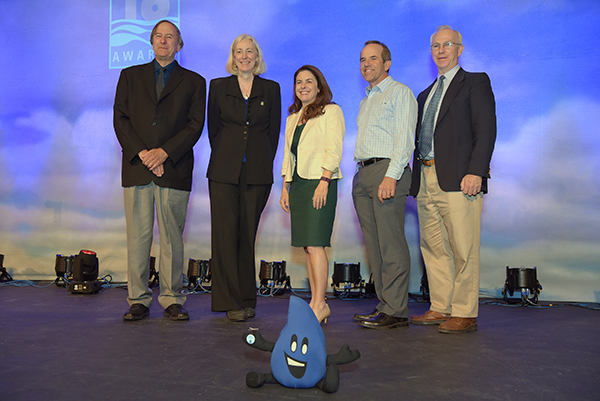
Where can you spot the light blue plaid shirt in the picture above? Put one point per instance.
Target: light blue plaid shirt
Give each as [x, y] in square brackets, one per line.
[387, 120]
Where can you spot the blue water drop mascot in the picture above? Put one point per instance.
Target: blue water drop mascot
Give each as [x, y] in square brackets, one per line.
[299, 358]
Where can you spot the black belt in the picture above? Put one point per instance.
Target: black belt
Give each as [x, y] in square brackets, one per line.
[372, 160]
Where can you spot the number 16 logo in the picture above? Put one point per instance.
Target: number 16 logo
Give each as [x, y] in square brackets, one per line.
[131, 22]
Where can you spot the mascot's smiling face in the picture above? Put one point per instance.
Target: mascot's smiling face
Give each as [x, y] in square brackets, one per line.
[299, 356]
[297, 368]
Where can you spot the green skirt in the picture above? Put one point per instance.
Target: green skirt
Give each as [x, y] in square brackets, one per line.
[311, 227]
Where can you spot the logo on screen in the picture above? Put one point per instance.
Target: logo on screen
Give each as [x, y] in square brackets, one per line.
[131, 22]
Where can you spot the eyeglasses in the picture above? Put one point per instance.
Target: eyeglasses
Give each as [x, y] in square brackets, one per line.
[445, 45]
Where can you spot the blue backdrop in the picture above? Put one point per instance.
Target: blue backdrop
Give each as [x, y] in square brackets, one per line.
[60, 161]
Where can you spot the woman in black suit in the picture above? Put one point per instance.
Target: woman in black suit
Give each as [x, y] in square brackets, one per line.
[244, 121]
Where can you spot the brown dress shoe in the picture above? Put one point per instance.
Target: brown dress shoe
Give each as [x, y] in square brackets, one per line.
[430, 318]
[458, 325]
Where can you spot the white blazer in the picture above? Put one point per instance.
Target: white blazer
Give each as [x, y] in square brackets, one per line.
[320, 145]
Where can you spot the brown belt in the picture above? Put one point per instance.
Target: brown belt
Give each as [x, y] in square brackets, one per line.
[429, 162]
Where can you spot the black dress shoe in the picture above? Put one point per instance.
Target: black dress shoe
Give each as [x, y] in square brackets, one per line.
[383, 321]
[136, 312]
[176, 312]
[370, 315]
[250, 312]
[237, 315]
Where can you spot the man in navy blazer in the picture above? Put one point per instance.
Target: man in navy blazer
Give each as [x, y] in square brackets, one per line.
[158, 118]
[456, 131]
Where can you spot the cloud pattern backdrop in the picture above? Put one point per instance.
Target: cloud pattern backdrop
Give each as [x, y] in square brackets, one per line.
[60, 161]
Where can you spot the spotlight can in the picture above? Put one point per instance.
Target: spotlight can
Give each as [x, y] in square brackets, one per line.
[199, 274]
[273, 274]
[63, 266]
[523, 280]
[346, 279]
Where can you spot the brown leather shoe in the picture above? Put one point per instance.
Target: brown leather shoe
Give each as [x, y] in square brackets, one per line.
[430, 318]
[458, 325]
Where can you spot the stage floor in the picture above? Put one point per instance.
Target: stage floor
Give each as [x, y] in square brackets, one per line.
[59, 346]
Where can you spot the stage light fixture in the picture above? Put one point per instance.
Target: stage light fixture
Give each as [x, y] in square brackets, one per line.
[85, 273]
[199, 275]
[272, 274]
[4, 276]
[425, 286]
[346, 279]
[85, 266]
[154, 279]
[524, 280]
[63, 266]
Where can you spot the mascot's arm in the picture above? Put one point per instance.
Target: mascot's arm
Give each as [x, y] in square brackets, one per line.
[344, 355]
[255, 340]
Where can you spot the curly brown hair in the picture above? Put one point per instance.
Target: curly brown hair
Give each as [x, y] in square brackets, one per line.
[317, 107]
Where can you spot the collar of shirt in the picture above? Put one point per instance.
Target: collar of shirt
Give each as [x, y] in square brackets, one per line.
[158, 67]
[449, 76]
[387, 81]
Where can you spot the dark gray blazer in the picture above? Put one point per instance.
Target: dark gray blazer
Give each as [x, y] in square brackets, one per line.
[174, 123]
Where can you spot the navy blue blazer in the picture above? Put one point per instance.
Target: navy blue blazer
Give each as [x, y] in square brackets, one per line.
[465, 132]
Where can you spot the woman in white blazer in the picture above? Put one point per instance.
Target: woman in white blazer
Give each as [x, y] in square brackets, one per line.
[314, 134]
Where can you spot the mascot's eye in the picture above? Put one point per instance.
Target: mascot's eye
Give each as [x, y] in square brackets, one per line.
[294, 344]
[251, 339]
[304, 346]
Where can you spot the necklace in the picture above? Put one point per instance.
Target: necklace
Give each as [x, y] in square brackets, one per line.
[245, 88]
[303, 119]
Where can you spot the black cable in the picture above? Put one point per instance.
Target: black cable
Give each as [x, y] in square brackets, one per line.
[270, 292]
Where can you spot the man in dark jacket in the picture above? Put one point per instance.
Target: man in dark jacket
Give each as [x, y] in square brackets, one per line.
[158, 118]
[456, 131]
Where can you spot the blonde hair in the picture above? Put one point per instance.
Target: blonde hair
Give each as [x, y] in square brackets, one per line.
[259, 68]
